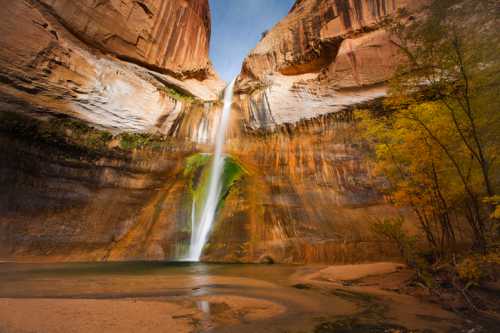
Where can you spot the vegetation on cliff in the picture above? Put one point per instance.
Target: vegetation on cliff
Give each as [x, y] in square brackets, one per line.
[178, 95]
[77, 138]
[437, 140]
[72, 136]
[197, 169]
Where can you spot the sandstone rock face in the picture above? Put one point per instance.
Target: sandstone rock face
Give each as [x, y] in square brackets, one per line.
[169, 35]
[59, 205]
[323, 57]
[120, 67]
[51, 61]
[311, 195]
[307, 194]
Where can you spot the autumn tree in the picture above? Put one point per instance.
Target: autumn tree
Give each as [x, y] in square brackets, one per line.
[438, 140]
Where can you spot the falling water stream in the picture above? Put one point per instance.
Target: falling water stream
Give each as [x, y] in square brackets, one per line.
[201, 228]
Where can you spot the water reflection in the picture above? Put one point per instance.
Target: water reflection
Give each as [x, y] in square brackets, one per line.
[200, 278]
[203, 306]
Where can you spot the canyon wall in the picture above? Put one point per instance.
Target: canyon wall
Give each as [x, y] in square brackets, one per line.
[325, 56]
[308, 196]
[171, 36]
[120, 65]
[311, 194]
[84, 87]
[104, 103]
[58, 203]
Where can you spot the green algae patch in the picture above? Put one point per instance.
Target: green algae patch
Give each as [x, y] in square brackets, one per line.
[72, 136]
[233, 172]
[76, 138]
[198, 169]
[178, 95]
[195, 162]
[132, 141]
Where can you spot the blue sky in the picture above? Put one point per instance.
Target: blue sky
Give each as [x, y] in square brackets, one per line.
[237, 26]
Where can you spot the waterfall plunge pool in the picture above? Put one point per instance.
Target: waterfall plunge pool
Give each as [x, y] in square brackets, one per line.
[197, 297]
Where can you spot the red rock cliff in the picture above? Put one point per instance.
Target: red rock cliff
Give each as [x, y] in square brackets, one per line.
[307, 194]
[311, 194]
[325, 55]
[122, 65]
[167, 35]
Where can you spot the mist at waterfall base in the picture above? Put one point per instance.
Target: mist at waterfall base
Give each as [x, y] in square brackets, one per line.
[200, 229]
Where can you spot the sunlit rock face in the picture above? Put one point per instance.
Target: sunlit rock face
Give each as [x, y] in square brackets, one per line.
[325, 56]
[63, 57]
[304, 190]
[118, 66]
[198, 123]
[168, 35]
[310, 195]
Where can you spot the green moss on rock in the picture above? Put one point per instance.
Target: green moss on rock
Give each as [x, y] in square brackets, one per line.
[198, 169]
[75, 137]
[233, 172]
[195, 162]
[72, 136]
[178, 95]
[131, 141]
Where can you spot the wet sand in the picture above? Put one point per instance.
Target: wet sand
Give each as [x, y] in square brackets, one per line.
[86, 315]
[156, 297]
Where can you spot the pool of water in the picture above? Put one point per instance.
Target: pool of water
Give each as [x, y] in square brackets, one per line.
[223, 296]
[124, 279]
[197, 297]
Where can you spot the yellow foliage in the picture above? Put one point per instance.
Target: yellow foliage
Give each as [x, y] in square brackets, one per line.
[495, 201]
[475, 268]
[469, 270]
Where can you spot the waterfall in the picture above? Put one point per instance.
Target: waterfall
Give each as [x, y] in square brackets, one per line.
[200, 229]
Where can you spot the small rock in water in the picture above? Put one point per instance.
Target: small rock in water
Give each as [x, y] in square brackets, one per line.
[266, 260]
[302, 286]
